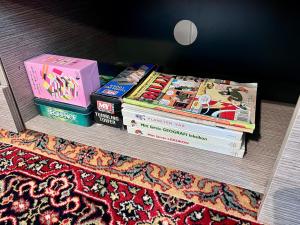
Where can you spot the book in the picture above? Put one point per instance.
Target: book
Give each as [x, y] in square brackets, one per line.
[200, 138]
[183, 138]
[177, 122]
[197, 138]
[214, 102]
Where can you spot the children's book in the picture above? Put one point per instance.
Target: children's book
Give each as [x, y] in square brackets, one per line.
[224, 103]
[155, 117]
[201, 139]
[184, 138]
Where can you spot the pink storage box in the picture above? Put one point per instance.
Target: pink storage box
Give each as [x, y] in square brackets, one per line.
[63, 79]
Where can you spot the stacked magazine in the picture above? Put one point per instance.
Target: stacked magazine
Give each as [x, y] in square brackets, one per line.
[208, 114]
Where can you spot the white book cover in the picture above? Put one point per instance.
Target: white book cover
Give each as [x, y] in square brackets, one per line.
[185, 138]
[141, 131]
[178, 122]
[199, 138]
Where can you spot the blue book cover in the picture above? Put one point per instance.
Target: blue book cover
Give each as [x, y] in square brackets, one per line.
[125, 81]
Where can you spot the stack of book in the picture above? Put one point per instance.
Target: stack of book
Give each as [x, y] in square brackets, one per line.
[208, 114]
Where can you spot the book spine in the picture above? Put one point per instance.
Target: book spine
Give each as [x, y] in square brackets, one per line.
[198, 139]
[205, 120]
[179, 139]
[195, 139]
[182, 125]
[143, 86]
[194, 121]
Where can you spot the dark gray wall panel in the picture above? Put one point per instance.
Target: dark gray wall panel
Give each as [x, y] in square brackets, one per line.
[6, 114]
[31, 28]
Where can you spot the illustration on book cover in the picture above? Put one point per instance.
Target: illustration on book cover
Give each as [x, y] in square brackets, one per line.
[210, 97]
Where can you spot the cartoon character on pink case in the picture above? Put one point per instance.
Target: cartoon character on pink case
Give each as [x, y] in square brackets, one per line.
[58, 84]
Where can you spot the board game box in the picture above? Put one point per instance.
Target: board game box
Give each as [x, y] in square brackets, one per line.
[63, 79]
[214, 102]
[65, 112]
[108, 99]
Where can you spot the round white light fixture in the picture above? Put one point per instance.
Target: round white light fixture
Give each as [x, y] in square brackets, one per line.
[185, 32]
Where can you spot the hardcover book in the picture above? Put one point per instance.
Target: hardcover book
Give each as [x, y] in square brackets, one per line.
[185, 138]
[200, 139]
[215, 102]
[150, 116]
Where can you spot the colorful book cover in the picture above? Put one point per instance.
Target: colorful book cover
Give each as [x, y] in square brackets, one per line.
[209, 125]
[125, 81]
[225, 103]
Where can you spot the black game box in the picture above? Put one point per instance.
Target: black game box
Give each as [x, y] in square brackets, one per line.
[107, 100]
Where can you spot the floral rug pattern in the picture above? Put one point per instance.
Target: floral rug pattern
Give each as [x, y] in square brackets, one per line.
[232, 200]
[35, 189]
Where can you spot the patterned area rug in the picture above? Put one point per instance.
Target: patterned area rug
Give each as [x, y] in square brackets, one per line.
[63, 179]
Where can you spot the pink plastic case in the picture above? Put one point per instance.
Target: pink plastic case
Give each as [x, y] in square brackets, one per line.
[63, 79]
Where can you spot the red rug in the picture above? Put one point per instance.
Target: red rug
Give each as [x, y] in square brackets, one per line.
[35, 189]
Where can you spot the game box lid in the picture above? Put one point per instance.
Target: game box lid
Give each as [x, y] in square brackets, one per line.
[64, 106]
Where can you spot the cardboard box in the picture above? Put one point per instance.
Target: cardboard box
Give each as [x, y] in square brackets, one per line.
[107, 100]
[63, 79]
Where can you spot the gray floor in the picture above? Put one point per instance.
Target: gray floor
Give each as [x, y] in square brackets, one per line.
[251, 172]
